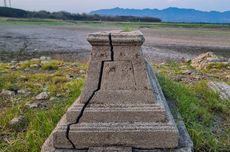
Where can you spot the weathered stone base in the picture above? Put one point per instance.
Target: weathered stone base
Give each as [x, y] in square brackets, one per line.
[113, 113]
[185, 143]
[150, 135]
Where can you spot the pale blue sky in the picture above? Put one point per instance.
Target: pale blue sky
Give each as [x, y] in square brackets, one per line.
[76, 6]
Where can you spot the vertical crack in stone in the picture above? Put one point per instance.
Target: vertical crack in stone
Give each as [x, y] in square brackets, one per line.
[94, 92]
[111, 47]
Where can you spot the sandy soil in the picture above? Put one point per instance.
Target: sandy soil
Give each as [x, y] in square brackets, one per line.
[70, 42]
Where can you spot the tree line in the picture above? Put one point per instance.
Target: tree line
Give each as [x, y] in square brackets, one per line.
[18, 13]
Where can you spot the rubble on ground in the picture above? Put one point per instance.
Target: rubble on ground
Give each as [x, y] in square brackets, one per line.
[18, 123]
[203, 61]
[221, 88]
[42, 96]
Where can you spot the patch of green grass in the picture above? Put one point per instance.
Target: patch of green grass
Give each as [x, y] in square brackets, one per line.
[218, 66]
[41, 124]
[51, 65]
[199, 107]
[41, 121]
[25, 64]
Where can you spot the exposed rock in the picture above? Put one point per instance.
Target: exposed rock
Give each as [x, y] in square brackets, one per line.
[205, 59]
[37, 104]
[53, 98]
[32, 105]
[228, 76]
[43, 96]
[18, 123]
[13, 62]
[222, 88]
[23, 92]
[27, 69]
[7, 93]
[216, 124]
[82, 71]
[69, 77]
[43, 58]
[78, 78]
[58, 95]
[178, 78]
[162, 64]
[188, 72]
[34, 65]
[13, 67]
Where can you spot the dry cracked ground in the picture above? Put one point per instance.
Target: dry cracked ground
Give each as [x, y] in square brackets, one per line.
[162, 43]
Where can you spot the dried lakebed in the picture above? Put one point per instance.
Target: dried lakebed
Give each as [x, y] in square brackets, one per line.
[162, 43]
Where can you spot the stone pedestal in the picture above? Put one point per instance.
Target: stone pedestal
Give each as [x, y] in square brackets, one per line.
[121, 104]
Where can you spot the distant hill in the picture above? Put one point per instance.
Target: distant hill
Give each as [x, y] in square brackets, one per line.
[18, 13]
[12, 12]
[171, 14]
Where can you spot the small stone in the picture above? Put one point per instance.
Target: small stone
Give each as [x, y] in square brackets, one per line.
[58, 95]
[27, 69]
[221, 88]
[32, 105]
[42, 96]
[53, 98]
[22, 92]
[204, 60]
[43, 58]
[228, 77]
[37, 104]
[13, 62]
[69, 77]
[162, 64]
[188, 72]
[34, 65]
[82, 71]
[178, 78]
[7, 93]
[75, 64]
[198, 77]
[215, 60]
[13, 67]
[18, 123]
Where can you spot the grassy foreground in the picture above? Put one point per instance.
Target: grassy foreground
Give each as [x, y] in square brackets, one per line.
[206, 115]
[62, 80]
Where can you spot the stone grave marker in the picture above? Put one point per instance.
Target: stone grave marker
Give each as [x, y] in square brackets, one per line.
[121, 107]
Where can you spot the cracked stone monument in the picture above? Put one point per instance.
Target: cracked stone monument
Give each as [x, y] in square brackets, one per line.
[121, 107]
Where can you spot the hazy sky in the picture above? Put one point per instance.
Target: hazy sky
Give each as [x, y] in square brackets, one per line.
[76, 6]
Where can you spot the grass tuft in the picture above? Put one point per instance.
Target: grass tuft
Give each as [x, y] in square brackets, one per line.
[199, 107]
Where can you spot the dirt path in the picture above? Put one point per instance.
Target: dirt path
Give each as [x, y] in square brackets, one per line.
[161, 43]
